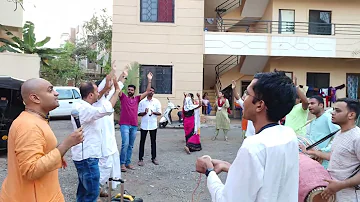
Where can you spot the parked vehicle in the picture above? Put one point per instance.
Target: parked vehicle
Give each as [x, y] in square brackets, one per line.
[166, 118]
[68, 96]
[11, 105]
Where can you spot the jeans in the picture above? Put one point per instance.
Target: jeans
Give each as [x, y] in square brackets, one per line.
[142, 143]
[89, 176]
[128, 135]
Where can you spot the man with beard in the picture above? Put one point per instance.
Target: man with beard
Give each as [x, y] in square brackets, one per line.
[320, 127]
[266, 167]
[129, 122]
[345, 153]
[33, 154]
[86, 155]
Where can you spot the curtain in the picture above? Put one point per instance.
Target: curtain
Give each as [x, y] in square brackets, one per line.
[352, 86]
[165, 11]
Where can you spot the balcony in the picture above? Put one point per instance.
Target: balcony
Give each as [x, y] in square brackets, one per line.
[274, 38]
[22, 66]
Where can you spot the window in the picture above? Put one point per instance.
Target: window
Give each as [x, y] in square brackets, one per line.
[64, 94]
[157, 11]
[162, 78]
[76, 94]
[320, 22]
[286, 21]
[289, 74]
[317, 80]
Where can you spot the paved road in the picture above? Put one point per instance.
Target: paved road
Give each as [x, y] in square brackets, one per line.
[172, 180]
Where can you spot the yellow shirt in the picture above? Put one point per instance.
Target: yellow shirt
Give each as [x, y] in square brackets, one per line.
[33, 162]
[297, 119]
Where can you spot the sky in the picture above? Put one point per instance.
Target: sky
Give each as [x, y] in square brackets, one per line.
[54, 17]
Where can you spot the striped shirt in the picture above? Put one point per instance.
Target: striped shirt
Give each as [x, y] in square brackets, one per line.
[345, 157]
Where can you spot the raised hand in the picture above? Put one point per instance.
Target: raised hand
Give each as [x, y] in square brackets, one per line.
[198, 95]
[295, 80]
[126, 72]
[108, 83]
[116, 84]
[150, 76]
[233, 84]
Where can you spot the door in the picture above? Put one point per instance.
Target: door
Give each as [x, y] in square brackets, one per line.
[286, 21]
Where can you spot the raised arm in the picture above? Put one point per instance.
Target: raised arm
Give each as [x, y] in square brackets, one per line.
[115, 96]
[105, 86]
[148, 88]
[122, 78]
[108, 77]
[112, 91]
[302, 96]
[236, 95]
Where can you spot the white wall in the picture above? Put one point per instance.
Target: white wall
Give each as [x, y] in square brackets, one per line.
[8, 16]
[22, 66]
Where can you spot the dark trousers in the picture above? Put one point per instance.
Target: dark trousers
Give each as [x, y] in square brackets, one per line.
[142, 143]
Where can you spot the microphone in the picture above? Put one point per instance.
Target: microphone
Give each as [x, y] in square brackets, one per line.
[75, 115]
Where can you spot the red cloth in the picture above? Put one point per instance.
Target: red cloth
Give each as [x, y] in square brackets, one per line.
[221, 104]
[165, 11]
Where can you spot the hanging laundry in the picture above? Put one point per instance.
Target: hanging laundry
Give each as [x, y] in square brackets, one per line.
[324, 92]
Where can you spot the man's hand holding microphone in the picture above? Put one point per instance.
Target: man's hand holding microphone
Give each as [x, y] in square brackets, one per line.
[73, 139]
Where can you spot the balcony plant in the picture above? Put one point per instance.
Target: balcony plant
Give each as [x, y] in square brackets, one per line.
[27, 44]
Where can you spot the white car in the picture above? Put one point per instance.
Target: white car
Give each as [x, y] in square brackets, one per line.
[68, 96]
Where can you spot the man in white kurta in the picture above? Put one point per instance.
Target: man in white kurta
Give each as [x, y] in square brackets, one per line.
[109, 164]
[266, 167]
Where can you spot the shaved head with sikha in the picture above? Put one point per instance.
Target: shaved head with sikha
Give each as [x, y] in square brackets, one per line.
[39, 94]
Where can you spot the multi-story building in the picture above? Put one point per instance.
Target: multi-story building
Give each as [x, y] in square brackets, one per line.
[197, 45]
[23, 66]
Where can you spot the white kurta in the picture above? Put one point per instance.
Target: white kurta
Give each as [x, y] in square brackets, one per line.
[109, 164]
[250, 126]
[266, 168]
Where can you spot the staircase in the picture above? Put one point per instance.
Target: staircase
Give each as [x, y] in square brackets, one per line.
[212, 98]
[228, 14]
[223, 67]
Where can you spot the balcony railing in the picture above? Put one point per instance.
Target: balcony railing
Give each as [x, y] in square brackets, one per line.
[261, 26]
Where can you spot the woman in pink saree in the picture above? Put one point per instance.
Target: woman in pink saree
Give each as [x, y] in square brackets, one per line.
[192, 137]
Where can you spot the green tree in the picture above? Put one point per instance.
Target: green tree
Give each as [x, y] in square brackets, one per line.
[28, 44]
[63, 68]
[97, 41]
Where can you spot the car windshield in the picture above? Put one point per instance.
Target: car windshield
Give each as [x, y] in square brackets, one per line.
[64, 94]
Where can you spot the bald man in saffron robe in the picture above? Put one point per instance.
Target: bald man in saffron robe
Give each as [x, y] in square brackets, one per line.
[33, 155]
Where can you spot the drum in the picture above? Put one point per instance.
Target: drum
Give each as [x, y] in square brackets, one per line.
[311, 180]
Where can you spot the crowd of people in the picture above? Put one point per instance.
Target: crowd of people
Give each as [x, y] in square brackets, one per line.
[266, 167]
